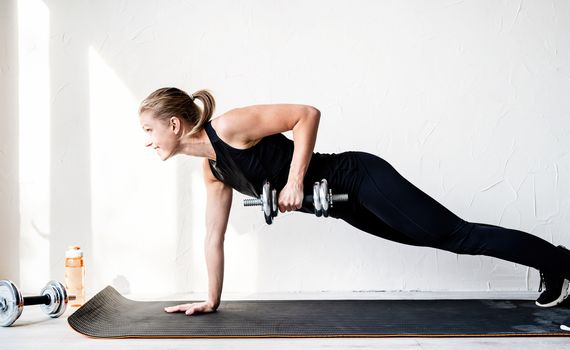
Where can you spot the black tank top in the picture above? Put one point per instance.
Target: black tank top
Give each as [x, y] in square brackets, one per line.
[246, 170]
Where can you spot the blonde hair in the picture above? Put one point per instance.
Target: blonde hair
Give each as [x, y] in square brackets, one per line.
[170, 101]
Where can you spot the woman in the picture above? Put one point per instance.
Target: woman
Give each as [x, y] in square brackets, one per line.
[245, 146]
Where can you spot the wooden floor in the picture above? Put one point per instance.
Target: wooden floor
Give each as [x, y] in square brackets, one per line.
[34, 330]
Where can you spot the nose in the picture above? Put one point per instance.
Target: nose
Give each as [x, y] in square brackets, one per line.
[147, 142]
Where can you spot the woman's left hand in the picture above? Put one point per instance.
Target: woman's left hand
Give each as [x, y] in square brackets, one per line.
[290, 197]
[193, 308]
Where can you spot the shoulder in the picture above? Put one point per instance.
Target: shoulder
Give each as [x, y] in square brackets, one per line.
[233, 128]
[247, 125]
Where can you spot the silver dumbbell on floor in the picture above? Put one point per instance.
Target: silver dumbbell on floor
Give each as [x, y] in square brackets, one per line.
[322, 199]
[53, 301]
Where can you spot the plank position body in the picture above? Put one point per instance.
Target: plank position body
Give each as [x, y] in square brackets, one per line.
[245, 146]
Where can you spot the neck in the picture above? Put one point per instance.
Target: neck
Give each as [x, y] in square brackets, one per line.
[197, 145]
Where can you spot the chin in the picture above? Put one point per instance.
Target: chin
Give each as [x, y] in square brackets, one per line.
[165, 157]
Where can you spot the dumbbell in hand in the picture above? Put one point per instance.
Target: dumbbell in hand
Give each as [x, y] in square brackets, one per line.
[322, 199]
[53, 301]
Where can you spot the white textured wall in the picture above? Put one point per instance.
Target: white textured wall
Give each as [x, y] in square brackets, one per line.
[467, 99]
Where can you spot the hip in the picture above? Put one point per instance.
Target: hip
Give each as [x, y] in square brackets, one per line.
[345, 172]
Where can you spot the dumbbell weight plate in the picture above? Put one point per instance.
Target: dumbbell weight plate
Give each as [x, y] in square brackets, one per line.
[268, 219]
[11, 303]
[323, 196]
[266, 202]
[274, 205]
[316, 199]
[59, 299]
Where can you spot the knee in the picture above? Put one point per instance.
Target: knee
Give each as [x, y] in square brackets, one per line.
[462, 240]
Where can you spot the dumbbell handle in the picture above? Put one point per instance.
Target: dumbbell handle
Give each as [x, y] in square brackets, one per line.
[252, 202]
[37, 300]
[340, 197]
[335, 198]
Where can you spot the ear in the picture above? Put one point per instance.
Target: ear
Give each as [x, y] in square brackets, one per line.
[175, 124]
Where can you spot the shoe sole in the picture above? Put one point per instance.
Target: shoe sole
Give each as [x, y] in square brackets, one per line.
[563, 295]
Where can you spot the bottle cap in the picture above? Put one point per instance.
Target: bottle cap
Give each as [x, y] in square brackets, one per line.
[74, 252]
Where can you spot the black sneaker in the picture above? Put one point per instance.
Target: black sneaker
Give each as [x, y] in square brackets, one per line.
[555, 288]
[565, 326]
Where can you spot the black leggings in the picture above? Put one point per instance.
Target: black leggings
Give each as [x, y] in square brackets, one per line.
[389, 206]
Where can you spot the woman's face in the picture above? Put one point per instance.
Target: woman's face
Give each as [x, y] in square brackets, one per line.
[160, 135]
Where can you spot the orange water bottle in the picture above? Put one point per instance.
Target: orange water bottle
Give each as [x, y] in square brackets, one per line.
[75, 275]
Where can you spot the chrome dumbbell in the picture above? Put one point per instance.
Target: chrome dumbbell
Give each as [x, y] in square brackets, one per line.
[53, 301]
[322, 199]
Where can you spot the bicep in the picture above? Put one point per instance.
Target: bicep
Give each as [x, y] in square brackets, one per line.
[258, 121]
[218, 202]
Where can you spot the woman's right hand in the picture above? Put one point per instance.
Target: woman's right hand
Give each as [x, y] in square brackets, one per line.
[193, 308]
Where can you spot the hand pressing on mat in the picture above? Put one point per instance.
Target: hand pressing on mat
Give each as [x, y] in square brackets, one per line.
[194, 308]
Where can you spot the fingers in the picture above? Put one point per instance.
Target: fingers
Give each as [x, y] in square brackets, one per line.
[286, 204]
[195, 309]
[178, 308]
[290, 198]
[188, 309]
[283, 207]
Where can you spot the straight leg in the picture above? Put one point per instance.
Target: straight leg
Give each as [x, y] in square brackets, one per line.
[406, 214]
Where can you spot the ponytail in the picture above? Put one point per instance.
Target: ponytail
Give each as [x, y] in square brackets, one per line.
[206, 113]
[170, 101]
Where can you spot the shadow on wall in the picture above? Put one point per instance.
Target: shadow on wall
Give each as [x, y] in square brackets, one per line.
[121, 284]
[85, 177]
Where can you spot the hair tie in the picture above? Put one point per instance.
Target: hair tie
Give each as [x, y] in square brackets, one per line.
[192, 97]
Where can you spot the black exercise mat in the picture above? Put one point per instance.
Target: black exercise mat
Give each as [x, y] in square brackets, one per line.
[109, 315]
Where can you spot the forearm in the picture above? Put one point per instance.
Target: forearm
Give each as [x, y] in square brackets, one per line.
[214, 250]
[304, 138]
[218, 205]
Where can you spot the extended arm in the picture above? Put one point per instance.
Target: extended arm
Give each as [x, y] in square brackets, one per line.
[218, 204]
